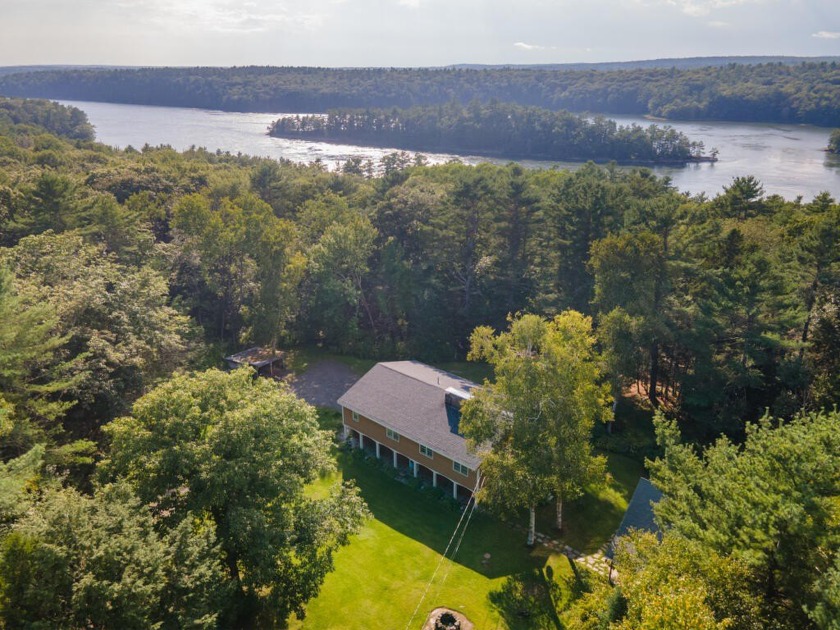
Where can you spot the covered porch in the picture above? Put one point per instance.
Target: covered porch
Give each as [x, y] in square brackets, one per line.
[406, 464]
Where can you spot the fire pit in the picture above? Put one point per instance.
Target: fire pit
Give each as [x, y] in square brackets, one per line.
[447, 621]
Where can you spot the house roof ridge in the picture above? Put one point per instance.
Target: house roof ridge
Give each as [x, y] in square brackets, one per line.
[389, 365]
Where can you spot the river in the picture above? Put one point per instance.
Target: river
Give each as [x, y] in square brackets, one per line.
[788, 159]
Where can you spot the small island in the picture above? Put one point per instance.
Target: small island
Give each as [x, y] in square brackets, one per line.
[834, 142]
[497, 130]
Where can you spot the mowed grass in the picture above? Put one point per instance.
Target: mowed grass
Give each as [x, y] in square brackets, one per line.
[381, 576]
[590, 520]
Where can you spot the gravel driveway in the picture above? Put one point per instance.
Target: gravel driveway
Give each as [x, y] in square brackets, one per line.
[323, 383]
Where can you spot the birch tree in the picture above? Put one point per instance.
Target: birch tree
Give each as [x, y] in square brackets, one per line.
[531, 426]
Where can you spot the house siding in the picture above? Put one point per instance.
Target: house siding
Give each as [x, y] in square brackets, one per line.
[409, 448]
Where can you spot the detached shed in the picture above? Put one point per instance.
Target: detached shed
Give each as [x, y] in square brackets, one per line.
[264, 360]
[639, 514]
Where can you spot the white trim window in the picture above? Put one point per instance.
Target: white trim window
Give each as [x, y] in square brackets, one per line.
[425, 450]
[392, 435]
[355, 416]
[458, 467]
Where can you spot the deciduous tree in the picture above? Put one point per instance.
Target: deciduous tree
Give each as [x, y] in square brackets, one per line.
[532, 425]
[238, 452]
[99, 562]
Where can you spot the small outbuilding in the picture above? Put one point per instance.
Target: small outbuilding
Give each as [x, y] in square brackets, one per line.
[266, 361]
[639, 515]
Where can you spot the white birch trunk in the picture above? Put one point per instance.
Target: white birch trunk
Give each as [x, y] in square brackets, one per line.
[559, 524]
[532, 525]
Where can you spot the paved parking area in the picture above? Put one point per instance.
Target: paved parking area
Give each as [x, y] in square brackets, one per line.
[323, 383]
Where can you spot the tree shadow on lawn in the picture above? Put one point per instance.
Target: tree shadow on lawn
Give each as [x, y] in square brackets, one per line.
[532, 599]
[592, 519]
[432, 521]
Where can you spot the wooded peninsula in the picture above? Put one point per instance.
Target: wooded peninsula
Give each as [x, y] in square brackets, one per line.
[497, 129]
[806, 92]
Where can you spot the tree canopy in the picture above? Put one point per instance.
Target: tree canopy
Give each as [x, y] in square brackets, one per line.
[804, 92]
[750, 535]
[532, 425]
[78, 561]
[238, 452]
[496, 129]
[769, 505]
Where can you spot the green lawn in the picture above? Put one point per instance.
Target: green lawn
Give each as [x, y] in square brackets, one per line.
[380, 577]
[471, 370]
[329, 419]
[590, 520]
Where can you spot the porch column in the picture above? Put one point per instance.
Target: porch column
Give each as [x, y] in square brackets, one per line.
[395, 458]
[361, 441]
[434, 479]
[454, 490]
[377, 449]
[413, 466]
[345, 432]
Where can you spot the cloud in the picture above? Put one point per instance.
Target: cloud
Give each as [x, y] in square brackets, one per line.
[524, 46]
[224, 16]
[827, 35]
[719, 24]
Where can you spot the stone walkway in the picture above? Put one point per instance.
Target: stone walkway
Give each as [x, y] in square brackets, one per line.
[597, 561]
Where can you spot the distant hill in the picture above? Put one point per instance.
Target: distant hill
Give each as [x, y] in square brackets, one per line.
[780, 90]
[667, 62]
[681, 63]
[4, 70]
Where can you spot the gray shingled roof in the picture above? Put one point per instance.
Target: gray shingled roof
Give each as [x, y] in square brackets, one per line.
[256, 357]
[639, 514]
[409, 398]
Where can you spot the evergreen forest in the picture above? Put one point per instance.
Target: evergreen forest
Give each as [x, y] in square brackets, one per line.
[142, 487]
[774, 92]
[497, 129]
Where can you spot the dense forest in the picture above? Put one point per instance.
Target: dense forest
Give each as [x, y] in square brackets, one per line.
[721, 297]
[496, 129]
[125, 275]
[770, 92]
[69, 122]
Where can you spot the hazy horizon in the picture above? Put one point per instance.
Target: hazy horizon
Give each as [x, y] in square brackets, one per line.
[452, 65]
[408, 33]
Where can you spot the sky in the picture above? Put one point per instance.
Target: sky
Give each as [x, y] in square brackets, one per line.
[407, 32]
